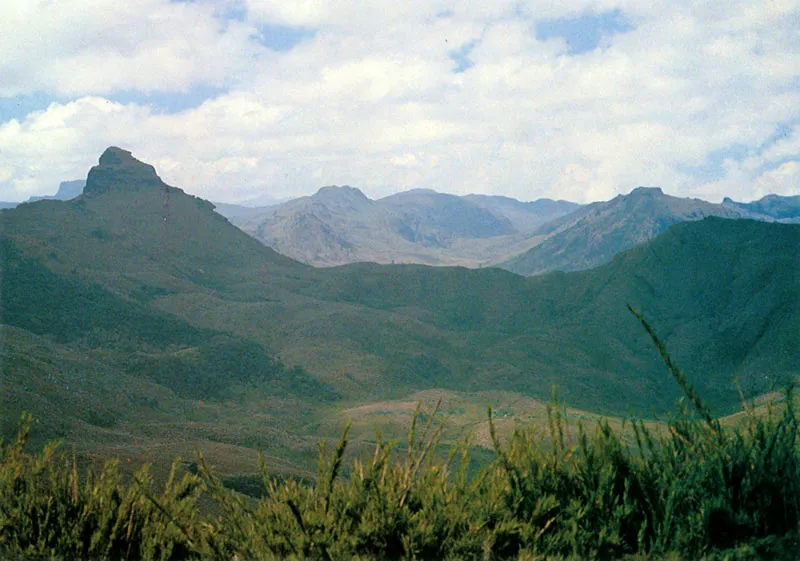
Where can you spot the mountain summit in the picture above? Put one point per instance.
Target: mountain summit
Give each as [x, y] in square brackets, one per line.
[646, 192]
[118, 169]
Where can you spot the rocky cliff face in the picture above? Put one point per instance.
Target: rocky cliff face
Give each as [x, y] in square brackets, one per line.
[118, 169]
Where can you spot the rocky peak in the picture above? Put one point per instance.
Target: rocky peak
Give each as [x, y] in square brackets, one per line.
[343, 192]
[646, 192]
[342, 198]
[118, 169]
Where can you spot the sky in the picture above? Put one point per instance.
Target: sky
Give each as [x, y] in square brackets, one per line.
[235, 100]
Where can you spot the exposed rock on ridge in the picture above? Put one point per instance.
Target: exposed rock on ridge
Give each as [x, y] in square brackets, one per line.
[118, 169]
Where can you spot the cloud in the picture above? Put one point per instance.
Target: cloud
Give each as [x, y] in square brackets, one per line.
[75, 47]
[784, 180]
[404, 161]
[701, 99]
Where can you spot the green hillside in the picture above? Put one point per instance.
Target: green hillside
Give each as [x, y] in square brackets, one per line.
[137, 319]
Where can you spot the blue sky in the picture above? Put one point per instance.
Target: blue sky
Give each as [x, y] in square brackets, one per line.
[237, 99]
[584, 32]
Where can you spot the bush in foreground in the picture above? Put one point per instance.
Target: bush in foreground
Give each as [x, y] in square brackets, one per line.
[48, 512]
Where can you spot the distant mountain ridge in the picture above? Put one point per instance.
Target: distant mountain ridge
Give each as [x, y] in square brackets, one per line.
[340, 225]
[771, 208]
[593, 235]
[67, 190]
[525, 216]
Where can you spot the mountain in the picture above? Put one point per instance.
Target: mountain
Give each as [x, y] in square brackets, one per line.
[138, 321]
[66, 190]
[593, 235]
[433, 218]
[524, 216]
[770, 208]
[233, 211]
[340, 225]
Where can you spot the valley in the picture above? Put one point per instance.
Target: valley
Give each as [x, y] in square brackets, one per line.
[139, 323]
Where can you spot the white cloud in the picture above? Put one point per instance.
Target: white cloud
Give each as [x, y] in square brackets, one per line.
[62, 143]
[740, 184]
[784, 180]
[75, 47]
[371, 98]
[404, 161]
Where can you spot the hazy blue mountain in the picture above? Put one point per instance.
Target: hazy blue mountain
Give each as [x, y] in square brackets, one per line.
[525, 216]
[66, 190]
[231, 211]
[770, 208]
[429, 217]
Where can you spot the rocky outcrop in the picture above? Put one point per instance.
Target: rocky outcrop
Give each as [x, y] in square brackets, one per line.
[118, 169]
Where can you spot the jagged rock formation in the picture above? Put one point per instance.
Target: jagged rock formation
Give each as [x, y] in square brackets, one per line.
[118, 169]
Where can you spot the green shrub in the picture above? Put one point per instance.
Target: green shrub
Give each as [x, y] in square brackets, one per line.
[47, 511]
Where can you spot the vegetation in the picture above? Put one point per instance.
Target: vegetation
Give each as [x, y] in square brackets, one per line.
[696, 489]
[48, 512]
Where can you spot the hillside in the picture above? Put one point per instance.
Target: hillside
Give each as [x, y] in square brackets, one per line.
[340, 225]
[138, 320]
[593, 235]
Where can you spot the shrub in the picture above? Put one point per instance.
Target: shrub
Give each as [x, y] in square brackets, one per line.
[48, 511]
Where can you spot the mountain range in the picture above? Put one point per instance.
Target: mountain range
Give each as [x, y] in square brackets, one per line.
[340, 225]
[137, 320]
[771, 208]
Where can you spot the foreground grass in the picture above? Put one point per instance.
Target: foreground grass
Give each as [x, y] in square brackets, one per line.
[698, 489]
